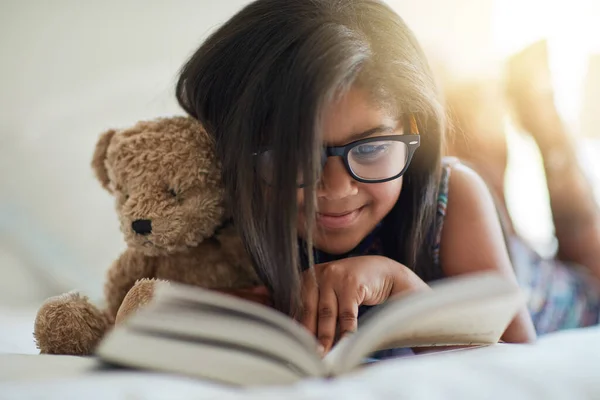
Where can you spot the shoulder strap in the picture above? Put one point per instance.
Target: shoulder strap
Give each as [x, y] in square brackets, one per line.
[442, 204]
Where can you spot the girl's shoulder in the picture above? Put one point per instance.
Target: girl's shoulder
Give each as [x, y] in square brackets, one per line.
[469, 231]
[465, 179]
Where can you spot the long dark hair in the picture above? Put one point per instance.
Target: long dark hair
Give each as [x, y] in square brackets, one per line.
[262, 80]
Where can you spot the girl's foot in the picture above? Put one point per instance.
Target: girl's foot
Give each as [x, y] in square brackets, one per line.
[529, 91]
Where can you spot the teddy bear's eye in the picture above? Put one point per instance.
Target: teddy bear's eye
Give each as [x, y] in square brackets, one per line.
[120, 189]
[172, 192]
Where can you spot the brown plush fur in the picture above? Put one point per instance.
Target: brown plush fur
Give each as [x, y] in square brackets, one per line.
[140, 294]
[66, 314]
[164, 173]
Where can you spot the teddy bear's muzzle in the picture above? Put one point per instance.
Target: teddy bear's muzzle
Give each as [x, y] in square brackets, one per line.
[142, 226]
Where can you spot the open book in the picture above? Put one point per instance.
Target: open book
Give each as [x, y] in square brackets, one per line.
[219, 337]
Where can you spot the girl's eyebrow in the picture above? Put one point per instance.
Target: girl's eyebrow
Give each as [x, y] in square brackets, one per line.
[372, 131]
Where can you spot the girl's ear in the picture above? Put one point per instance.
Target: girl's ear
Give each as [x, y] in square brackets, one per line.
[99, 159]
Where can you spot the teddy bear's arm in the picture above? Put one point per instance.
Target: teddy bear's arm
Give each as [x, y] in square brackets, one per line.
[130, 267]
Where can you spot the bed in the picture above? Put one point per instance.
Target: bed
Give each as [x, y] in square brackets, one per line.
[564, 365]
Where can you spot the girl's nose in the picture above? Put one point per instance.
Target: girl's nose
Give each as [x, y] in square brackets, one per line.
[336, 183]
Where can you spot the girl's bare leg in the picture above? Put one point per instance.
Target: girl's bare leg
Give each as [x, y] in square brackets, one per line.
[477, 135]
[575, 213]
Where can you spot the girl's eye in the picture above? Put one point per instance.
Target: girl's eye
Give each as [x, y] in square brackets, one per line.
[126, 196]
[369, 151]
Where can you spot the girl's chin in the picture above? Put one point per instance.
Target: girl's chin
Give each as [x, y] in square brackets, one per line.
[336, 246]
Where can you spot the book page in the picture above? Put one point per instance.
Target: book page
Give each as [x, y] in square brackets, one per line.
[175, 293]
[460, 324]
[200, 360]
[225, 329]
[473, 309]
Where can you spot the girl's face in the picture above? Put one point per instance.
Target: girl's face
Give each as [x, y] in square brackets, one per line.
[348, 210]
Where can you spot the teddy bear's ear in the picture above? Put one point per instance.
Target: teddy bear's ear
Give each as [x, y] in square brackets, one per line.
[98, 161]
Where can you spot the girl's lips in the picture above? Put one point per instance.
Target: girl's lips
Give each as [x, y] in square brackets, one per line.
[338, 220]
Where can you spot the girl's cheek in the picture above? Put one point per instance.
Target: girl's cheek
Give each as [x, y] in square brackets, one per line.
[384, 193]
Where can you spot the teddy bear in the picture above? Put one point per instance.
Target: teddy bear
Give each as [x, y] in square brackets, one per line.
[172, 211]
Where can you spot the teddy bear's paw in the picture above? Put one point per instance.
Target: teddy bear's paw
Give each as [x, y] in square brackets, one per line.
[69, 324]
[139, 295]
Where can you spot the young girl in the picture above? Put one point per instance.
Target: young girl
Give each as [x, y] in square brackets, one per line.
[327, 122]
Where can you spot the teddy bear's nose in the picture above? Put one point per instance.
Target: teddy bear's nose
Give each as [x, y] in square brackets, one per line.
[142, 226]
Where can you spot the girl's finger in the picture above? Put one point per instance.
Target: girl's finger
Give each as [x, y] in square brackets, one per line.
[326, 326]
[310, 302]
[348, 312]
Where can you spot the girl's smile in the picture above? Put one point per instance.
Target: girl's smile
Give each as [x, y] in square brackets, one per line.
[339, 220]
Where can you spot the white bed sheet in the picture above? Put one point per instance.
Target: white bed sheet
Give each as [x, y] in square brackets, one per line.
[560, 366]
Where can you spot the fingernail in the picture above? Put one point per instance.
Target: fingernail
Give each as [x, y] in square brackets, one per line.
[321, 350]
[346, 334]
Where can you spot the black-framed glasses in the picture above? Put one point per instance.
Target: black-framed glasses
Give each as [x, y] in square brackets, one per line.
[372, 160]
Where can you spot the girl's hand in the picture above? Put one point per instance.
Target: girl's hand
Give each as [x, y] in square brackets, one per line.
[333, 293]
